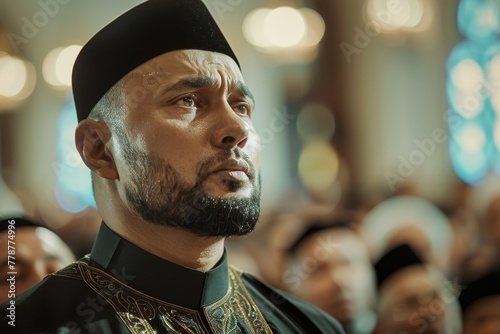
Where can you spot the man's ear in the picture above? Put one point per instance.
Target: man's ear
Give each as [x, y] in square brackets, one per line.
[91, 138]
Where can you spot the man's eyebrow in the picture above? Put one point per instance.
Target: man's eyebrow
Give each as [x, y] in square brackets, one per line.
[205, 81]
[189, 82]
[243, 90]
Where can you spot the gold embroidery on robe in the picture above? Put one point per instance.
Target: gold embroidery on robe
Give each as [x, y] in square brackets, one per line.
[236, 306]
[142, 313]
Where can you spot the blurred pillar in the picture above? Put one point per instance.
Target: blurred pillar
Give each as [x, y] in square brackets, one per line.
[328, 83]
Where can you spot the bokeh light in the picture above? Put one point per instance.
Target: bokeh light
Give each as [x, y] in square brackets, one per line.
[496, 134]
[315, 27]
[467, 76]
[73, 189]
[284, 26]
[17, 78]
[395, 15]
[478, 20]
[315, 122]
[471, 138]
[272, 30]
[470, 167]
[469, 152]
[58, 65]
[253, 27]
[318, 166]
[493, 88]
[473, 68]
[466, 80]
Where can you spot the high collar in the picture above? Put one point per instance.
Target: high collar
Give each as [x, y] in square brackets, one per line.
[157, 277]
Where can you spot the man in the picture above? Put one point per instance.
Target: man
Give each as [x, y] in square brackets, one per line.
[165, 126]
[413, 295]
[331, 269]
[480, 303]
[38, 253]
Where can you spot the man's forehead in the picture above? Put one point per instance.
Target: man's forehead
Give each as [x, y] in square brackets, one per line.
[187, 62]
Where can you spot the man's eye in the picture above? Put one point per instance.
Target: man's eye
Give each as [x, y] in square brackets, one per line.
[243, 108]
[187, 101]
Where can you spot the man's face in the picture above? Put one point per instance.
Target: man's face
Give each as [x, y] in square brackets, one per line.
[189, 156]
[411, 302]
[338, 276]
[39, 252]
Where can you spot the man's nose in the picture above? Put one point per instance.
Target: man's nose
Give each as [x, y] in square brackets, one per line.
[231, 129]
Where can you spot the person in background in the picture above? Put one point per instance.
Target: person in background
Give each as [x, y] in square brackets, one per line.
[38, 253]
[466, 240]
[330, 268]
[413, 296]
[480, 304]
[412, 220]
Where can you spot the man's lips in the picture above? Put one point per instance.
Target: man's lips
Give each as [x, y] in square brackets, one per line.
[236, 169]
[235, 174]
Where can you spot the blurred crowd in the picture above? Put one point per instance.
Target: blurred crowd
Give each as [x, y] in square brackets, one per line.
[402, 264]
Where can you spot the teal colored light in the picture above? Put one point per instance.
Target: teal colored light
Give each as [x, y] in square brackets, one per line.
[471, 167]
[463, 50]
[479, 20]
[470, 87]
[73, 189]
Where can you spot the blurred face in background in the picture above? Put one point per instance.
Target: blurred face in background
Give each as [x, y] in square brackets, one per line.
[411, 302]
[39, 252]
[337, 275]
[483, 316]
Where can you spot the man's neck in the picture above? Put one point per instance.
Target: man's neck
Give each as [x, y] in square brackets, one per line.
[174, 245]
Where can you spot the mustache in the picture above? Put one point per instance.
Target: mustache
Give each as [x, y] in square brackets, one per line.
[206, 166]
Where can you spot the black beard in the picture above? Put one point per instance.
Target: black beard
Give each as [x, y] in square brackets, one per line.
[157, 195]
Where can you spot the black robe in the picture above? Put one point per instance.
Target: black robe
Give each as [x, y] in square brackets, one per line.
[121, 288]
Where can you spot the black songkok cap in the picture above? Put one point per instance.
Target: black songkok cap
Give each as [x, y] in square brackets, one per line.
[148, 30]
[488, 285]
[396, 259]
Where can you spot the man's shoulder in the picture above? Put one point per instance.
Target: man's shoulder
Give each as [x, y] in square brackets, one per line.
[60, 284]
[60, 300]
[309, 316]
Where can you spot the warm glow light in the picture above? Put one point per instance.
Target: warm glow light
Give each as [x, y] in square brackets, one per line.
[13, 76]
[49, 67]
[284, 26]
[253, 27]
[318, 166]
[393, 15]
[427, 17]
[58, 65]
[315, 27]
[17, 78]
[291, 35]
[64, 63]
